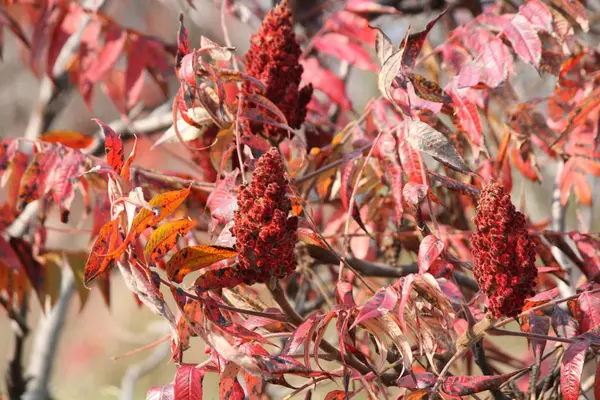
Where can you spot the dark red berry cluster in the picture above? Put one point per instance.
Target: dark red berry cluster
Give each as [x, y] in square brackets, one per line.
[273, 58]
[504, 253]
[264, 230]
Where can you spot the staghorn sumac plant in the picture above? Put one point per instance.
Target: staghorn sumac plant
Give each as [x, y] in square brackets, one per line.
[375, 248]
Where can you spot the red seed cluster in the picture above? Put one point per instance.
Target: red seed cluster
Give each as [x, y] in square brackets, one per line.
[504, 253]
[273, 58]
[265, 233]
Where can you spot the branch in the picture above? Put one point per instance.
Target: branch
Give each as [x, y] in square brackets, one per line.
[368, 268]
[279, 297]
[15, 379]
[137, 371]
[47, 338]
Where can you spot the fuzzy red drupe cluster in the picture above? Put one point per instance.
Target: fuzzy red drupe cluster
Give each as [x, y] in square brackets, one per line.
[504, 253]
[273, 58]
[265, 233]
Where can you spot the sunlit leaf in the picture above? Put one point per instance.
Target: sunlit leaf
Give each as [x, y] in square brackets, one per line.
[164, 238]
[193, 258]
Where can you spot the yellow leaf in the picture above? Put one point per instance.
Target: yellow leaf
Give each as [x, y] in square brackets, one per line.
[165, 238]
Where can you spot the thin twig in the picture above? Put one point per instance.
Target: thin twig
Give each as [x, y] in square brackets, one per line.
[137, 371]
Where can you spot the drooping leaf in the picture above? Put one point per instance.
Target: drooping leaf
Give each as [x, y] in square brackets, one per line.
[193, 258]
[496, 61]
[466, 385]
[381, 303]
[383, 46]
[254, 386]
[429, 250]
[126, 170]
[415, 42]
[229, 386]
[468, 119]
[524, 40]
[571, 368]
[326, 81]
[35, 182]
[343, 48]
[300, 336]
[423, 137]
[106, 241]
[586, 309]
[227, 277]
[390, 69]
[165, 238]
[575, 10]
[428, 90]
[113, 146]
[188, 382]
[166, 392]
[538, 14]
[15, 171]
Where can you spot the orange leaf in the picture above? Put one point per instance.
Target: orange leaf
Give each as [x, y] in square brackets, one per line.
[163, 205]
[194, 258]
[107, 240]
[165, 238]
[72, 139]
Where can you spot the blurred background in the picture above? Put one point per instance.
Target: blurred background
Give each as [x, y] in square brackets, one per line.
[93, 335]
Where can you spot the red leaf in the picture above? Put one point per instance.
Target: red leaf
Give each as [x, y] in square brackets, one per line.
[497, 62]
[597, 382]
[415, 42]
[343, 292]
[300, 334]
[429, 250]
[15, 172]
[468, 119]
[115, 40]
[538, 14]
[34, 183]
[227, 277]
[380, 304]
[466, 385]
[571, 368]
[586, 309]
[589, 248]
[222, 201]
[352, 25]
[161, 392]
[524, 40]
[63, 182]
[254, 386]
[113, 147]
[188, 383]
[342, 48]
[326, 81]
[337, 395]
[136, 66]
